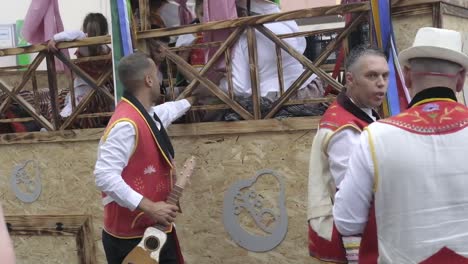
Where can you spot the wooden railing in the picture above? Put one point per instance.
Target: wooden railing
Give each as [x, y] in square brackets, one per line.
[52, 121]
[238, 27]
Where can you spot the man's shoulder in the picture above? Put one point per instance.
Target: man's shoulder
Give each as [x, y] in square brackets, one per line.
[336, 117]
[438, 117]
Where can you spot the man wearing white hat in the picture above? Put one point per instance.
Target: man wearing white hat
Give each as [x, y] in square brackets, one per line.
[413, 166]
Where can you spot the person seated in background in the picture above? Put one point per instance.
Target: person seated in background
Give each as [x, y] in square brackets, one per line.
[269, 88]
[94, 24]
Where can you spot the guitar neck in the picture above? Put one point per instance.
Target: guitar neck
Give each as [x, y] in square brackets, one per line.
[173, 199]
[175, 195]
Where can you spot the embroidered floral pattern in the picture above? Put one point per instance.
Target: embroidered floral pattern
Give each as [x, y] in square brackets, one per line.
[149, 170]
[432, 118]
[139, 185]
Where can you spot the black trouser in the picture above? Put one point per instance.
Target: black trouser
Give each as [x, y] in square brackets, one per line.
[117, 249]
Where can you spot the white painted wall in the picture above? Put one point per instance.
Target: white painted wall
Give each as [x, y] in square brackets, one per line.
[71, 11]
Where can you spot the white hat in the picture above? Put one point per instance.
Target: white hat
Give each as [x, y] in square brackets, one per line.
[436, 43]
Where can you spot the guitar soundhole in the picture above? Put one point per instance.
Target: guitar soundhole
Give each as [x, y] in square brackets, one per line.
[152, 243]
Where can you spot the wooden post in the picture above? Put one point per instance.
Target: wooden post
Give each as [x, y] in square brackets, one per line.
[170, 77]
[53, 89]
[35, 93]
[227, 44]
[228, 59]
[437, 15]
[279, 67]
[145, 22]
[253, 66]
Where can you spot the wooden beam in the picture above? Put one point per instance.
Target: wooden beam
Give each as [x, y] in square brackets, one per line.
[333, 45]
[61, 45]
[144, 8]
[454, 11]
[245, 127]
[93, 58]
[80, 107]
[178, 130]
[79, 226]
[213, 88]
[256, 20]
[227, 44]
[53, 89]
[279, 68]
[436, 15]
[198, 45]
[85, 243]
[83, 75]
[458, 3]
[228, 60]
[33, 66]
[306, 62]
[26, 106]
[253, 68]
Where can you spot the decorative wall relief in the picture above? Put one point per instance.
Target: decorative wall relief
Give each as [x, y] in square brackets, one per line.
[25, 181]
[268, 226]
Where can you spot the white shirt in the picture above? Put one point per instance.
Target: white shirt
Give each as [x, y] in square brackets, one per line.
[352, 201]
[267, 70]
[114, 154]
[340, 148]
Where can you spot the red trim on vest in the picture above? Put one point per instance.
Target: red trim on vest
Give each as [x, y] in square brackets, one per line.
[324, 250]
[369, 248]
[336, 117]
[147, 172]
[432, 118]
[446, 255]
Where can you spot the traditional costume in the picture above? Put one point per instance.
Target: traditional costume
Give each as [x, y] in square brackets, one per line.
[413, 167]
[135, 161]
[341, 124]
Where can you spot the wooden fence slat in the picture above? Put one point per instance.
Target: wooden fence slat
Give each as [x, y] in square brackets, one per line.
[253, 67]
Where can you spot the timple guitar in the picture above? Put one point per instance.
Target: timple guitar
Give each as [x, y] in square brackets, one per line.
[154, 238]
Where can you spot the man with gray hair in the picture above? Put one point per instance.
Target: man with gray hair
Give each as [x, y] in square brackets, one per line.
[412, 167]
[339, 129]
[134, 164]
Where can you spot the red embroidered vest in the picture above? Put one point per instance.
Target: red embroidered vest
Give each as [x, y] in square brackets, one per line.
[148, 172]
[335, 118]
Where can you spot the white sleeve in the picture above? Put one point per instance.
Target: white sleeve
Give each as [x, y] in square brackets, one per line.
[171, 111]
[339, 149]
[185, 40]
[113, 156]
[69, 35]
[353, 199]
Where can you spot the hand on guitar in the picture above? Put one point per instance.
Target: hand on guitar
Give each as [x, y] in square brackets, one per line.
[161, 212]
